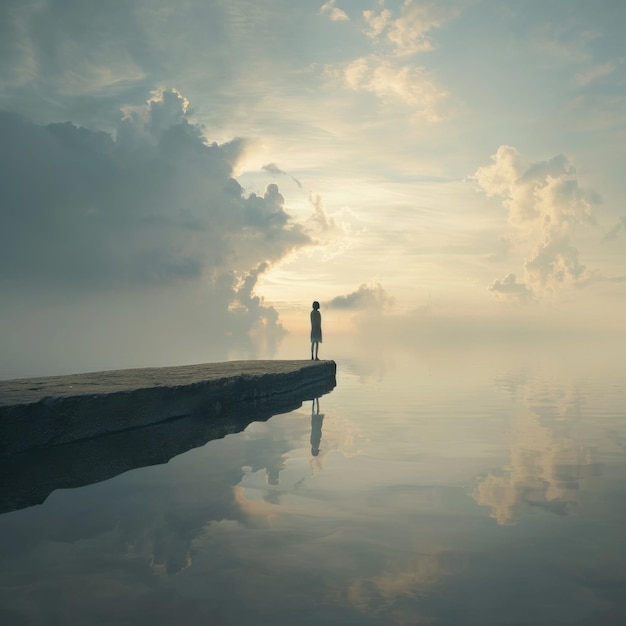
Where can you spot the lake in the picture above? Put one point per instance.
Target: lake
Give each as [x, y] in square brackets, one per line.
[468, 485]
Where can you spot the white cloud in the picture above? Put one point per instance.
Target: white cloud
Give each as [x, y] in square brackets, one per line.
[377, 23]
[334, 13]
[408, 33]
[547, 205]
[545, 195]
[387, 74]
[554, 263]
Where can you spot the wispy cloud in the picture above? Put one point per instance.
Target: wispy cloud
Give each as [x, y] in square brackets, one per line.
[595, 73]
[334, 13]
[377, 22]
[79, 55]
[409, 86]
[408, 33]
[273, 169]
[617, 231]
[389, 72]
[320, 219]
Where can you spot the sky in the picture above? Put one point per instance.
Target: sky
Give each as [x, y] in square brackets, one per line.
[180, 180]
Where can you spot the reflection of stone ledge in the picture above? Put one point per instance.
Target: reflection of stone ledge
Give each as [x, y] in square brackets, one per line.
[207, 409]
[39, 412]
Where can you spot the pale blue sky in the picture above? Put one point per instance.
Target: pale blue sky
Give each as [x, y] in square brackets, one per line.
[377, 123]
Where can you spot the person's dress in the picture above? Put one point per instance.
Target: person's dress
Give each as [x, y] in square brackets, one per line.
[316, 326]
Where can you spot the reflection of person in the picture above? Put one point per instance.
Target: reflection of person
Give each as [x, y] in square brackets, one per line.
[316, 329]
[316, 427]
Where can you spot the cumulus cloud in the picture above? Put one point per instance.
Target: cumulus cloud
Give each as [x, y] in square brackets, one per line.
[366, 297]
[152, 206]
[545, 194]
[334, 13]
[155, 203]
[553, 263]
[547, 205]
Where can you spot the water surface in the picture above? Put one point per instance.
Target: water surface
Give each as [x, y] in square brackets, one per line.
[469, 486]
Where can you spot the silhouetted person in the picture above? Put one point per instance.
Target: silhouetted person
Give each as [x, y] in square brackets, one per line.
[316, 427]
[316, 329]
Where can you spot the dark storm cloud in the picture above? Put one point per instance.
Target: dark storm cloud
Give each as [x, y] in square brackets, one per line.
[134, 248]
[154, 204]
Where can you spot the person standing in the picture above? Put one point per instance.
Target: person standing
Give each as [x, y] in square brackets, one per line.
[316, 330]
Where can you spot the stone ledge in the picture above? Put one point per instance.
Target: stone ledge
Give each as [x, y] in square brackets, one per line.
[40, 412]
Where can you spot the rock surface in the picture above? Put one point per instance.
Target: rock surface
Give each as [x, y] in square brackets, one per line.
[43, 412]
[29, 476]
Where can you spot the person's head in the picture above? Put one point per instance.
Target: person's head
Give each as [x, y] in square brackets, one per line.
[316, 305]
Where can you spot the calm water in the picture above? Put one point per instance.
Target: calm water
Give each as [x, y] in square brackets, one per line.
[465, 487]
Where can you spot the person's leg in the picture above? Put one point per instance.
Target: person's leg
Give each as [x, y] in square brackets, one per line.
[317, 346]
[312, 344]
